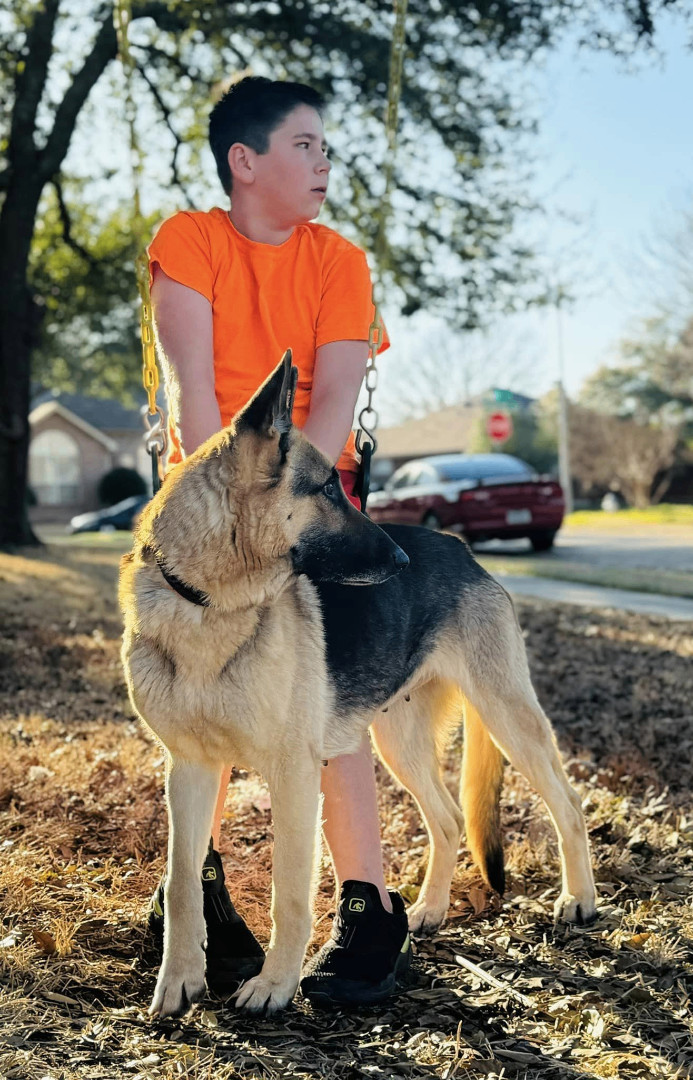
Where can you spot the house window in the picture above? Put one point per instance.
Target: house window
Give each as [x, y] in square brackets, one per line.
[54, 468]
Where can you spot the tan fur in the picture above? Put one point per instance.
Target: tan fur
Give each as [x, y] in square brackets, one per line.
[244, 681]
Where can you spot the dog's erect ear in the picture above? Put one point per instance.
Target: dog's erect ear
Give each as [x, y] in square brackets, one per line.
[269, 411]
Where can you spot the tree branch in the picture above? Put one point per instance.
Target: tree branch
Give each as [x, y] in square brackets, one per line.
[67, 227]
[103, 51]
[177, 141]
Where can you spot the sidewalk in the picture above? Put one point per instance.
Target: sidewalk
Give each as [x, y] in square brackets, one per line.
[568, 592]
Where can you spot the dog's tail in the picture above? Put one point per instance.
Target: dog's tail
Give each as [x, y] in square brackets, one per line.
[480, 789]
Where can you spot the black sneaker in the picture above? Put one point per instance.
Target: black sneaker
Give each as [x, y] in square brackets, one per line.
[369, 952]
[233, 952]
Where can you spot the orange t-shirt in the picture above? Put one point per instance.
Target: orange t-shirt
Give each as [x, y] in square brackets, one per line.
[313, 289]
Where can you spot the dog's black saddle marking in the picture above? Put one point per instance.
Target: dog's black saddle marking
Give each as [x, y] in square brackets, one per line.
[377, 635]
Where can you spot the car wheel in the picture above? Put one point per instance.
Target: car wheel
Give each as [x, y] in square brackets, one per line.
[431, 521]
[542, 541]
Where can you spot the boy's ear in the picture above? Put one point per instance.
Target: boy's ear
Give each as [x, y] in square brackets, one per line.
[269, 411]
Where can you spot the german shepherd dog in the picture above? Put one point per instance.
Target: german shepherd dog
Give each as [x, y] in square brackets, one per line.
[268, 623]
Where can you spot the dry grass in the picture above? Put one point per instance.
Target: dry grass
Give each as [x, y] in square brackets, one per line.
[666, 515]
[83, 832]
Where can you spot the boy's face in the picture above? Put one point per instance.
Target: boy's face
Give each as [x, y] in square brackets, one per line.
[292, 176]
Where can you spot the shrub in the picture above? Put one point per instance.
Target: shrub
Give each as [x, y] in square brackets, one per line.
[118, 484]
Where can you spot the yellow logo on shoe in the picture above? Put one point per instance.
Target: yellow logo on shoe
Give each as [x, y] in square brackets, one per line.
[209, 873]
[357, 905]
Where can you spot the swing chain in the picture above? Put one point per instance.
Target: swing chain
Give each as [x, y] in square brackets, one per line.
[368, 417]
[366, 442]
[155, 430]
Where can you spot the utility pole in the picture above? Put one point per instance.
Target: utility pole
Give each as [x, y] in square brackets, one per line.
[563, 439]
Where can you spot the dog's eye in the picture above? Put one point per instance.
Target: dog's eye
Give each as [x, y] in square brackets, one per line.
[330, 489]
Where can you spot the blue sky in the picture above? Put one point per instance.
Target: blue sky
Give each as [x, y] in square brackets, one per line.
[615, 153]
[618, 144]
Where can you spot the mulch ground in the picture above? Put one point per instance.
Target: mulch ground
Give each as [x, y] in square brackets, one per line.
[500, 991]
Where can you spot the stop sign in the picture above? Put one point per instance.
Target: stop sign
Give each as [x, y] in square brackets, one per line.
[499, 427]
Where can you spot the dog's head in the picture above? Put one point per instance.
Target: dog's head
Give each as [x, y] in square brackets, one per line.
[258, 496]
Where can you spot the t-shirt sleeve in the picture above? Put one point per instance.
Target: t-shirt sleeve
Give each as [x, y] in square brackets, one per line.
[182, 250]
[346, 306]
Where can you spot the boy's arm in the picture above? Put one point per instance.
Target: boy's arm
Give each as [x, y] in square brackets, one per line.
[183, 319]
[337, 376]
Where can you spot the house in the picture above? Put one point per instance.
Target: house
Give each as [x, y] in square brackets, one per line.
[75, 441]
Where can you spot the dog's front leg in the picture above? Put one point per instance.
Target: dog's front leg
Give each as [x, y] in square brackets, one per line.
[295, 794]
[191, 792]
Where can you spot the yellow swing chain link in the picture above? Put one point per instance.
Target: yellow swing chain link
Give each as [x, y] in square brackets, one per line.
[155, 432]
[368, 417]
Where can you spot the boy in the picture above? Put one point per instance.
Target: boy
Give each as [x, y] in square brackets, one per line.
[230, 291]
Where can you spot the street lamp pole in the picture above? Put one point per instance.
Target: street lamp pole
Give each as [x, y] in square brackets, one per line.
[563, 438]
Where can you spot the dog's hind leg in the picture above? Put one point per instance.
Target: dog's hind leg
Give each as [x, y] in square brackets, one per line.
[406, 738]
[497, 683]
[191, 792]
[295, 795]
[523, 733]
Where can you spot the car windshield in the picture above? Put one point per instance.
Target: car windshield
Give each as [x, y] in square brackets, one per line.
[484, 466]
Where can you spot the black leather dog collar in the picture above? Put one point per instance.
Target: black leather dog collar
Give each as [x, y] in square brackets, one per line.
[188, 592]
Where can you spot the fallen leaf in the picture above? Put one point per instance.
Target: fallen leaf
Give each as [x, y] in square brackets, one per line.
[44, 940]
[59, 999]
[637, 941]
[478, 898]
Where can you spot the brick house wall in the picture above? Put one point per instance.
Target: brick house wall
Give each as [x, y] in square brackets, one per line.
[68, 457]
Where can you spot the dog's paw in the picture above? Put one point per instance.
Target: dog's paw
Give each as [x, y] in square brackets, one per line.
[263, 994]
[178, 986]
[580, 911]
[425, 918]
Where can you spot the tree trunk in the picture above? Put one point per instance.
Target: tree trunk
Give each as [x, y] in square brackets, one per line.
[16, 338]
[29, 169]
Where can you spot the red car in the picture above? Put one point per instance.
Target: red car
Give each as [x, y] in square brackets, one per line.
[483, 496]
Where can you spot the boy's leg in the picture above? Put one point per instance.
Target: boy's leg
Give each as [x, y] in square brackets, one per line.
[368, 952]
[219, 808]
[350, 810]
[350, 820]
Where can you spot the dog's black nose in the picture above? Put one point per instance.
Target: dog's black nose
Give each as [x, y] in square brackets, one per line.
[400, 559]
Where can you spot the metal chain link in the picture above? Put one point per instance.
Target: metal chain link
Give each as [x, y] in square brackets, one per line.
[155, 431]
[368, 416]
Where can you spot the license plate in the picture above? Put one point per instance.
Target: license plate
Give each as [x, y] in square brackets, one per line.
[518, 517]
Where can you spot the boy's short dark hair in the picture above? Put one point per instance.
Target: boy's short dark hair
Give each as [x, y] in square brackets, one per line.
[249, 112]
